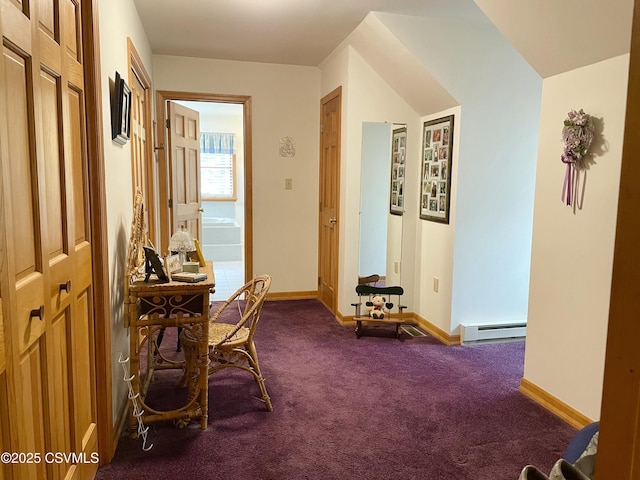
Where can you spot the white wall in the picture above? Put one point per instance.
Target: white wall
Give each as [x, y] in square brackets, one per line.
[285, 104]
[434, 245]
[118, 20]
[572, 252]
[366, 98]
[500, 98]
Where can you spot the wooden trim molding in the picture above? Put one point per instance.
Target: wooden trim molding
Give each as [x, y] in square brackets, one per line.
[99, 237]
[442, 336]
[160, 142]
[412, 319]
[304, 295]
[136, 65]
[137, 68]
[554, 405]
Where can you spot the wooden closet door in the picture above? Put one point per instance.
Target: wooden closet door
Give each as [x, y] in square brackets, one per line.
[331, 114]
[46, 260]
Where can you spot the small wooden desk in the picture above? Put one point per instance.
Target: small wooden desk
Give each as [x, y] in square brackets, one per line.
[149, 308]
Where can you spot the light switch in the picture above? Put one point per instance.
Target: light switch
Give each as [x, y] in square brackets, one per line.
[288, 184]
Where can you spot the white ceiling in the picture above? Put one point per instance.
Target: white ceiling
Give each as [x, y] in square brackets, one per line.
[554, 36]
[296, 32]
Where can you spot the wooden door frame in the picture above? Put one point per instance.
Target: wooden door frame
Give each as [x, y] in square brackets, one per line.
[336, 93]
[162, 97]
[107, 434]
[619, 441]
[136, 67]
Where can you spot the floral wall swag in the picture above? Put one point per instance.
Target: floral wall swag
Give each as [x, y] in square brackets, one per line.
[577, 135]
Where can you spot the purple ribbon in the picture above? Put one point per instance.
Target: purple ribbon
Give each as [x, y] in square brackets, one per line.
[568, 180]
[571, 187]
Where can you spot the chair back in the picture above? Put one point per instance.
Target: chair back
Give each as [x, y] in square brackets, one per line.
[372, 290]
[395, 292]
[369, 280]
[249, 300]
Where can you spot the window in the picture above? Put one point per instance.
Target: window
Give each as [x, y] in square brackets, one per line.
[217, 166]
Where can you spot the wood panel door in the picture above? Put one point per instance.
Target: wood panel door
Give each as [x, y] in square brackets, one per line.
[184, 159]
[46, 262]
[331, 106]
[142, 164]
[140, 174]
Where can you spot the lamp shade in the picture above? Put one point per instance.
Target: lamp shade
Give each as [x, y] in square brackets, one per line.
[182, 241]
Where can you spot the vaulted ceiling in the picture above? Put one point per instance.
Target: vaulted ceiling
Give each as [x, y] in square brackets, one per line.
[296, 32]
[553, 36]
[558, 36]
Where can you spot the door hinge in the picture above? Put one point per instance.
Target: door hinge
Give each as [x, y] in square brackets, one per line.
[168, 123]
[170, 203]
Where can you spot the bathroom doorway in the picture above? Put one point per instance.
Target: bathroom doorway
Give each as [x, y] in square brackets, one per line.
[222, 191]
[225, 164]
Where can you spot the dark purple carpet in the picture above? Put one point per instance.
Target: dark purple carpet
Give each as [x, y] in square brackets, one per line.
[347, 408]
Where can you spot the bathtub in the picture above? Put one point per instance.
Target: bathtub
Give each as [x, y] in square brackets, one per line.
[221, 239]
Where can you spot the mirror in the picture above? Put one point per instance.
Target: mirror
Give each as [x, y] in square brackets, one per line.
[380, 232]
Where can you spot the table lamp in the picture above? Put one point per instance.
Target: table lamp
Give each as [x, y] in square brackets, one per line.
[182, 242]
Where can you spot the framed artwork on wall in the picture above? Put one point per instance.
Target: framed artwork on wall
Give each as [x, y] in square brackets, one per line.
[120, 111]
[398, 163]
[435, 180]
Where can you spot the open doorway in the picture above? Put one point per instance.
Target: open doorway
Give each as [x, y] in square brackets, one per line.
[222, 191]
[225, 186]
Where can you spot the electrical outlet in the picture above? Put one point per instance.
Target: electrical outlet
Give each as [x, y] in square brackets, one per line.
[288, 183]
[436, 284]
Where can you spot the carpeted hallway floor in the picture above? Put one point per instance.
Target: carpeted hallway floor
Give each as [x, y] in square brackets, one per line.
[347, 408]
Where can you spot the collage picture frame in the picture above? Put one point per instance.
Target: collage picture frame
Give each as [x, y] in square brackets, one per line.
[435, 189]
[398, 164]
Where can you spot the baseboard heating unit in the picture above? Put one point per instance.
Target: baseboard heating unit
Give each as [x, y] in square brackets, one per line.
[471, 332]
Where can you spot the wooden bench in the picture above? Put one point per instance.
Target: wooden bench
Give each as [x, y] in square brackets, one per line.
[392, 312]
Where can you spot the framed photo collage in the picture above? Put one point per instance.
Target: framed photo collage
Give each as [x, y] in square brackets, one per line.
[398, 162]
[435, 178]
[435, 192]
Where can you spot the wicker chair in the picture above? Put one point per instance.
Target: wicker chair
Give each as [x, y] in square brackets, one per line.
[231, 344]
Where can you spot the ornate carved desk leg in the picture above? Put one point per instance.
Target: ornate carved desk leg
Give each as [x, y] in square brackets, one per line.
[195, 344]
